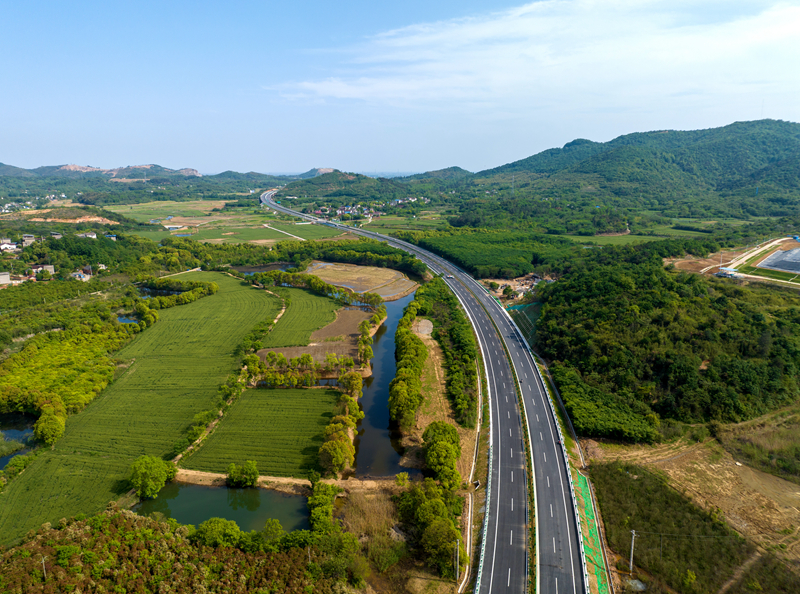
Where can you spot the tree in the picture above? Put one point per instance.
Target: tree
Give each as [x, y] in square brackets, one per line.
[352, 383]
[336, 455]
[217, 532]
[49, 427]
[149, 475]
[245, 475]
[437, 542]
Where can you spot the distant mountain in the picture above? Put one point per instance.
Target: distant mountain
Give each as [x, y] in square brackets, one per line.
[11, 171]
[451, 173]
[715, 158]
[346, 187]
[81, 171]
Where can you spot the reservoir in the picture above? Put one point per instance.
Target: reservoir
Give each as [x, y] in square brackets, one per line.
[249, 508]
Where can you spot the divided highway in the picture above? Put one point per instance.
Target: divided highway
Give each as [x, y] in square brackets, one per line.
[502, 567]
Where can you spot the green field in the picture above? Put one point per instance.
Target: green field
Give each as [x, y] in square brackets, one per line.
[280, 429]
[222, 233]
[610, 239]
[307, 312]
[307, 231]
[159, 209]
[176, 368]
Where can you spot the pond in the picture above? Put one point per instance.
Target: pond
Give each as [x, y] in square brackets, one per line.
[15, 430]
[124, 320]
[378, 449]
[249, 508]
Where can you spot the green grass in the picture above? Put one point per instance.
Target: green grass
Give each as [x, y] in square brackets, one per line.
[610, 239]
[306, 231]
[307, 312]
[178, 365]
[146, 211]
[280, 429]
[244, 234]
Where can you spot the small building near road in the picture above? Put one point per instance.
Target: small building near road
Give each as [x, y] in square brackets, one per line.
[5, 278]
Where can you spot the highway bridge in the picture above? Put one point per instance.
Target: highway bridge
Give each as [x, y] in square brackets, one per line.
[510, 368]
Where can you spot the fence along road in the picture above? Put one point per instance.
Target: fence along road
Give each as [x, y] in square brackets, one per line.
[503, 567]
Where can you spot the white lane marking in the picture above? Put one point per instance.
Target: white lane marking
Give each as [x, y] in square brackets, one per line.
[512, 452]
[556, 585]
[551, 510]
[526, 375]
[554, 544]
[508, 584]
[545, 456]
[509, 431]
[540, 436]
[504, 385]
[506, 398]
[537, 418]
[509, 416]
[512, 476]
[548, 481]
[512, 504]
[511, 541]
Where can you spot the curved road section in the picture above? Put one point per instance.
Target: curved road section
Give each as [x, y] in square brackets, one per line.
[503, 564]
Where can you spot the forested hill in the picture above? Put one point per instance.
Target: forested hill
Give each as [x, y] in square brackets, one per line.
[348, 186]
[95, 186]
[711, 156]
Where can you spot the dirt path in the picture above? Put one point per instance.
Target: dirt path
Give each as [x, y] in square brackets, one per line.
[288, 484]
[737, 575]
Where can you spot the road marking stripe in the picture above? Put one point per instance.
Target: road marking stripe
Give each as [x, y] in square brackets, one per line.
[509, 578]
[548, 481]
[551, 510]
[554, 544]
[545, 456]
[512, 476]
[540, 436]
[511, 540]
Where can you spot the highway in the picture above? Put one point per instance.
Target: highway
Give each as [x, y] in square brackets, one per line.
[503, 566]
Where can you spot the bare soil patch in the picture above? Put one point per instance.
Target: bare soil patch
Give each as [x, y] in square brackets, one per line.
[101, 220]
[361, 279]
[345, 326]
[396, 289]
[763, 508]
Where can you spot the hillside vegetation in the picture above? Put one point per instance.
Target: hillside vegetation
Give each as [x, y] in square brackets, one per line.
[637, 182]
[634, 343]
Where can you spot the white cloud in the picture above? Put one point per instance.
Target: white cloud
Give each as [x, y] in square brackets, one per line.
[560, 55]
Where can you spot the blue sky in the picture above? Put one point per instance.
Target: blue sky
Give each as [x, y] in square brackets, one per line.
[365, 86]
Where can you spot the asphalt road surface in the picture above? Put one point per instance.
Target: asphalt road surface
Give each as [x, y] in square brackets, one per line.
[503, 565]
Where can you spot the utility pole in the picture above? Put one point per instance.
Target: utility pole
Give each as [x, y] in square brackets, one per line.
[43, 568]
[633, 540]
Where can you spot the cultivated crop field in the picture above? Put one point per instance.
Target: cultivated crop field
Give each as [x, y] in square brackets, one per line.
[176, 366]
[307, 312]
[280, 429]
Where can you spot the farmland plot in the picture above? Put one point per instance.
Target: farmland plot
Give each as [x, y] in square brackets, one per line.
[280, 429]
[176, 367]
[307, 312]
